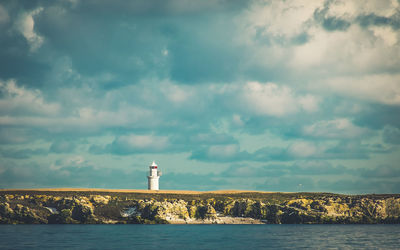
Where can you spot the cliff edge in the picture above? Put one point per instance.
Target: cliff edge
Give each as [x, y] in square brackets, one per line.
[101, 207]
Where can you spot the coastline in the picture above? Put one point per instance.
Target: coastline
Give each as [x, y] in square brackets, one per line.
[109, 206]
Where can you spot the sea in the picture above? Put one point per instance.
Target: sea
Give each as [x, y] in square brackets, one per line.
[200, 237]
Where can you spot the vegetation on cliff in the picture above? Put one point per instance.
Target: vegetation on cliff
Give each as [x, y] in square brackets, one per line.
[21, 207]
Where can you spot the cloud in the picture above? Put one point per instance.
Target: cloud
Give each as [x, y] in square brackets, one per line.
[297, 150]
[148, 105]
[381, 88]
[302, 149]
[333, 37]
[26, 25]
[203, 139]
[279, 19]
[72, 172]
[25, 153]
[344, 149]
[133, 144]
[310, 150]
[334, 129]
[62, 147]
[321, 52]
[274, 100]
[341, 14]
[330, 23]
[308, 168]
[19, 101]
[76, 161]
[269, 99]
[386, 34]
[220, 153]
[23, 107]
[15, 135]
[352, 8]
[223, 150]
[177, 94]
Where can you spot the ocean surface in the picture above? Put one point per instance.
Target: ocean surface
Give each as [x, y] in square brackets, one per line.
[199, 236]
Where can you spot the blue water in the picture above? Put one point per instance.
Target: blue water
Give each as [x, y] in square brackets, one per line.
[199, 236]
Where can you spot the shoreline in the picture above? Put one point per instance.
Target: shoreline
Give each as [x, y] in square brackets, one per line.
[106, 206]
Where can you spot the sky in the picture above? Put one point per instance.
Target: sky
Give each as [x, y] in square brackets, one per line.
[253, 95]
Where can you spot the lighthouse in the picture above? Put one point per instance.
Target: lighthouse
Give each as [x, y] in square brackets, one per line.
[153, 177]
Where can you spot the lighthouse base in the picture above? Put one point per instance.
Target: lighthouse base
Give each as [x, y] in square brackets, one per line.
[153, 182]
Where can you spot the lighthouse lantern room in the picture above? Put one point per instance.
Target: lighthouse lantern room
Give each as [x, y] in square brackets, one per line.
[153, 177]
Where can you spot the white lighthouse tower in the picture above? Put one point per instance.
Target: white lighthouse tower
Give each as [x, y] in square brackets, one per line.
[153, 177]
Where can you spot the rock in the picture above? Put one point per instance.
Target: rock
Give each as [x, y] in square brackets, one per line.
[210, 213]
[9, 197]
[6, 213]
[25, 215]
[101, 200]
[5, 209]
[318, 206]
[83, 212]
[304, 204]
[192, 211]
[64, 217]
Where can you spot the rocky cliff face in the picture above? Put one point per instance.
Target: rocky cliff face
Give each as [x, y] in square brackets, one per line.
[111, 209]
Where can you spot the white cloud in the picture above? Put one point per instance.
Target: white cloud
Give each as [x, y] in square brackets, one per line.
[309, 102]
[76, 111]
[14, 135]
[165, 52]
[269, 29]
[97, 118]
[356, 50]
[334, 129]
[269, 99]
[352, 8]
[237, 120]
[74, 161]
[272, 99]
[132, 142]
[87, 120]
[223, 151]
[281, 18]
[387, 34]
[380, 88]
[302, 149]
[26, 25]
[18, 101]
[174, 93]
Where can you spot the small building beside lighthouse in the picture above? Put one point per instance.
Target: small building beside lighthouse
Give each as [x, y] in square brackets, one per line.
[153, 177]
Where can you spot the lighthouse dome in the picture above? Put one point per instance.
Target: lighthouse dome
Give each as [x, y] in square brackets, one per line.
[153, 164]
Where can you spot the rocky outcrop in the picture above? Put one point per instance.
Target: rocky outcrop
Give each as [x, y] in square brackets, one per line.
[272, 209]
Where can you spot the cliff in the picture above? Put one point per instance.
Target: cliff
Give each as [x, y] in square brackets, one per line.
[92, 207]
